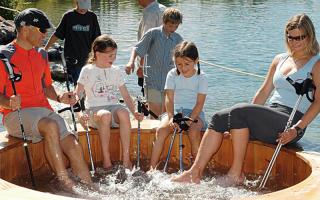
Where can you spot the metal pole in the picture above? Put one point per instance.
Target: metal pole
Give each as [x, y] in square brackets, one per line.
[180, 150]
[64, 64]
[170, 149]
[139, 131]
[138, 147]
[89, 149]
[278, 148]
[25, 143]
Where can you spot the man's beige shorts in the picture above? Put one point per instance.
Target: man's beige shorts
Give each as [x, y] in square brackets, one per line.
[154, 96]
[30, 118]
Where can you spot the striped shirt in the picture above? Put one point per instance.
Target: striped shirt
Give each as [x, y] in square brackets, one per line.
[158, 47]
[151, 17]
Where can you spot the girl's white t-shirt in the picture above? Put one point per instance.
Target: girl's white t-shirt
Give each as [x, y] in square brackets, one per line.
[101, 85]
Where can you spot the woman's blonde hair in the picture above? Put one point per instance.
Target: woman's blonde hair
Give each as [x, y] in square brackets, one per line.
[303, 22]
[100, 44]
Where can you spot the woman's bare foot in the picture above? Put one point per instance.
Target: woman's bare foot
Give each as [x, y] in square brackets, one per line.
[231, 180]
[127, 164]
[190, 176]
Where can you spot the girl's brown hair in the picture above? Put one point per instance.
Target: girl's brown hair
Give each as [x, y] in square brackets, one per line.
[100, 44]
[189, 50]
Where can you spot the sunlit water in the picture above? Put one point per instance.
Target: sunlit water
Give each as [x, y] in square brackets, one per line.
[245, 35]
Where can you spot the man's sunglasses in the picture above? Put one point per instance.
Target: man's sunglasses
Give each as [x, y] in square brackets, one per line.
[41, 30]
[297, 38]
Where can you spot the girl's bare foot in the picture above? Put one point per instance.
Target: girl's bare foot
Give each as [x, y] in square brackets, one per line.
[107, 165]
[190, 176]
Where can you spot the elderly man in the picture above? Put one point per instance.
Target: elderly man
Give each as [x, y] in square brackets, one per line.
[33, 90]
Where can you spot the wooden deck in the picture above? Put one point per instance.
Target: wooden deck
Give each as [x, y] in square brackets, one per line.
[300, 170]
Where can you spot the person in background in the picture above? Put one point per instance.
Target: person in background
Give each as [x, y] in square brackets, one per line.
[100, 80]
[151, 17]
[157, 43]
[186, 87]
[78, 28]
[33, 91]
[266, 123]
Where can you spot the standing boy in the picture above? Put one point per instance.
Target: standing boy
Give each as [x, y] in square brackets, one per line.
[78, 27]
[151, 17]
[158, 43]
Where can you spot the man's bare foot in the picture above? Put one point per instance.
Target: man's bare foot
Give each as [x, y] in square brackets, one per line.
[65, 183]
[187, 177]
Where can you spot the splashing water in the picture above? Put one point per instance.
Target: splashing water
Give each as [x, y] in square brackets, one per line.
[120, 183]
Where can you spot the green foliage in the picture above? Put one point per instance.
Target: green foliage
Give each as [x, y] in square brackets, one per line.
[8, 14]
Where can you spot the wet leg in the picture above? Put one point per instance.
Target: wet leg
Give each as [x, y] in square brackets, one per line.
[161, 135]
[123, 119]
[103, 119]
[74, 152]
[49, 129]
[240, 139]
[209, 145]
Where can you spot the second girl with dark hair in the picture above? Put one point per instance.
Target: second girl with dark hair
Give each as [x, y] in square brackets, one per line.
[186, 87]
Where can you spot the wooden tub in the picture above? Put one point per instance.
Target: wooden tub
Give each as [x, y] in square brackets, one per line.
[298, 171]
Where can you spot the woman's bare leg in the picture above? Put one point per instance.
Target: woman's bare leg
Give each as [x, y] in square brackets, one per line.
[209, 145]
[240, 139]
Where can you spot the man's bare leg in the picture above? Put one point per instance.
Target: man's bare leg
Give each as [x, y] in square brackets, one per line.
[74, 152]
[49, 129]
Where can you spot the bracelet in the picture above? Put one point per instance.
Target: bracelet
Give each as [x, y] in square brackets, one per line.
[58, 98]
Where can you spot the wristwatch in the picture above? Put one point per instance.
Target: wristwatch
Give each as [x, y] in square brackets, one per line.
[299, 131]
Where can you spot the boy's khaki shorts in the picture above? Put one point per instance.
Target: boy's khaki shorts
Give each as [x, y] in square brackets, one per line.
[30, 118]
[154, 96]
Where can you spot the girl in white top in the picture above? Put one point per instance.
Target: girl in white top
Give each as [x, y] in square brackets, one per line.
[186, 90]
[101, 82]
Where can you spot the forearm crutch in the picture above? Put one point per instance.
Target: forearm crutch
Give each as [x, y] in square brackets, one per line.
[301, 90]
[13, 77]
[65, 71]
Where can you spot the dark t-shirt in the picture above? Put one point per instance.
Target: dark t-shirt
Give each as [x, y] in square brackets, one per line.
[78, 31]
